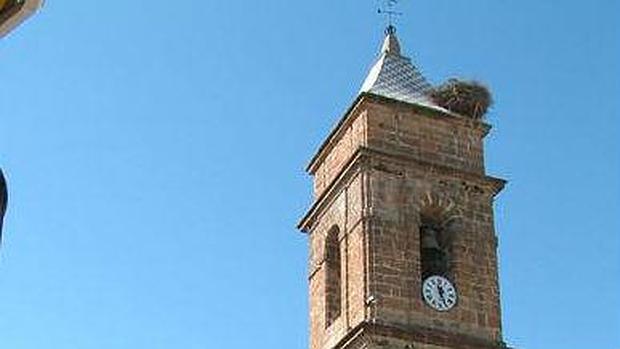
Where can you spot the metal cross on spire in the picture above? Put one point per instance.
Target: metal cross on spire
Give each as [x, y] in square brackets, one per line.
[390, 13]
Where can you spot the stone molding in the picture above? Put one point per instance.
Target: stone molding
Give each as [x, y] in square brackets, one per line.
[370, 332]
[362, 155]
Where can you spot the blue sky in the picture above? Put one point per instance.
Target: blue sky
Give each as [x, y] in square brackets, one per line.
[155, 155]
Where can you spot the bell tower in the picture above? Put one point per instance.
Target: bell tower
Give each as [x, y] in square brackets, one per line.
[401, 233]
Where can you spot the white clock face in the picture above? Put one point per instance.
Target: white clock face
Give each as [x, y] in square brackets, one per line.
[439, 293]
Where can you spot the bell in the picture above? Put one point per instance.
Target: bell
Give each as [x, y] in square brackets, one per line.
[429, 238]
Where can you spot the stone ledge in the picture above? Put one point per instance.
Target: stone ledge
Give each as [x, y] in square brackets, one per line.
[417, 334]
[364, 153]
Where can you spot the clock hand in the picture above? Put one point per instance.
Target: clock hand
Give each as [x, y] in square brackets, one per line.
[441, 294]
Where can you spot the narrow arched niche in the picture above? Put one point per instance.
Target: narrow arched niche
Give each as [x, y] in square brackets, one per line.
[333, 275]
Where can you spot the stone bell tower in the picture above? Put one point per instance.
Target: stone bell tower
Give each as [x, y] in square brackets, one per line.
[401, 233]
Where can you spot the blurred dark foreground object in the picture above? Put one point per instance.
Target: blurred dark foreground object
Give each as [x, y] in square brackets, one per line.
[3, 200]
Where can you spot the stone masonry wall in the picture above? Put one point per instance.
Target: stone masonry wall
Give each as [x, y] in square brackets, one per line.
[337, 153]
[444, 140]
[400, 194]
[345, 211]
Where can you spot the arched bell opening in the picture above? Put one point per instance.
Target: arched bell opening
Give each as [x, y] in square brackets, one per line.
[434, 248]
[438, 220]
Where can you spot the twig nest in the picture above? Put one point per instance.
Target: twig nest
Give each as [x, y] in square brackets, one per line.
[468, 98]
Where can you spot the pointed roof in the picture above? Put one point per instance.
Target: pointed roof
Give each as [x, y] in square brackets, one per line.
[394, 76]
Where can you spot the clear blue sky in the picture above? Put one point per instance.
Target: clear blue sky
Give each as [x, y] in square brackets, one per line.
[155, 154]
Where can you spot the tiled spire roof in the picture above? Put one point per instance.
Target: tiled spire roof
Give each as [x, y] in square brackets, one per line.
[394, 76]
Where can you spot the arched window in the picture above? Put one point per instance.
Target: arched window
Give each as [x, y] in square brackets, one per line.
[433, 249]
[333, 277]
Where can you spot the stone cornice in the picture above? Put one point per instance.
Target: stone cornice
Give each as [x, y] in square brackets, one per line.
[497, 183]
[417, 334]
[363, 153]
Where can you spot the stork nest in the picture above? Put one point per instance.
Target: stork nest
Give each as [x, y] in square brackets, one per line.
[468, 98]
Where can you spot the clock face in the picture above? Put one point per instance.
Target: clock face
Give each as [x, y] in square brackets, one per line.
[439, 293]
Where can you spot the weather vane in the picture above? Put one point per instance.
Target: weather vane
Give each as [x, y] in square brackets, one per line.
[390, 13]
